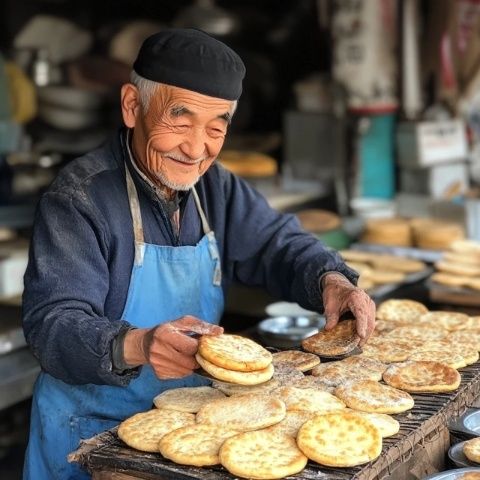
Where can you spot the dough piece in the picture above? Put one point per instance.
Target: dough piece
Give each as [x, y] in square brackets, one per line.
[422, 377]
[371, 396]
[234, 389]
[340, 440]
[262, 455]
[234, 352]
[189, 399]
[471, 449]
[291, 423]
[308, 399]
[295, 358]
[243, 412]
[233, 376]
[144, 430]
[400, 310]
[196, 445]
[342, 339]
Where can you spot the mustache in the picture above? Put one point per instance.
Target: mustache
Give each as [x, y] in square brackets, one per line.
[181, 158]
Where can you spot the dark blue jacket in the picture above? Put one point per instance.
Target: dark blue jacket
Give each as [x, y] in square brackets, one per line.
[82, 252]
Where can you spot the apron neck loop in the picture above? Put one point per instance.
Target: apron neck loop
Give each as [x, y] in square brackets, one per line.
[203, 218]
[136, 217]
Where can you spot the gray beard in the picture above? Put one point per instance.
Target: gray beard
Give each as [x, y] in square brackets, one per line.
[175, 186]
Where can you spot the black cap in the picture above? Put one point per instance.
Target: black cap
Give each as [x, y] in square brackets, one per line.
[193, 60]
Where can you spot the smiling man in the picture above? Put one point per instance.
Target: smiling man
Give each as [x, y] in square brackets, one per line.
[135, 245]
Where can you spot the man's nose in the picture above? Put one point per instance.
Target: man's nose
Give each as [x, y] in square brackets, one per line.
[194, 145]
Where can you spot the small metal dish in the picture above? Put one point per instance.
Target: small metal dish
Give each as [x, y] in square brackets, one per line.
[458, 458]
[468, 423]
[289, 331]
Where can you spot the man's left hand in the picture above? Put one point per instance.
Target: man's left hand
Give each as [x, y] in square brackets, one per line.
[340, 296]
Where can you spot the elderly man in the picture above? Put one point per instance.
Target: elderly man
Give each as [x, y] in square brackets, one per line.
[135, 244]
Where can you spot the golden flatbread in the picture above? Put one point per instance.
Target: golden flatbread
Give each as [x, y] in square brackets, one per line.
[234, 352]
[233, 376]
[371, 396]
[458, 268]
[470, 338]
[417, 332]
[188, 399]
[469, 476]
[338, 373]
[448, 320]
[402, 264]
[309, 381]
[235, 389]
[308, 399]
[449, 279]
[355, 256]
[471, 449]
[400, 310]
[422, 377]
[448, 357]
[243, 412]
[291, 423]
[466, 246]
[386, 425]
[390, 350]
[144, 430]
[196, 445]
[378, 276]
[342, 339]
[302, 361]
[286, 374]
[262, 455]
[339, 440]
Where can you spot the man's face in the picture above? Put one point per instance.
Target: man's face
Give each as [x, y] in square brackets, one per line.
[180, 136]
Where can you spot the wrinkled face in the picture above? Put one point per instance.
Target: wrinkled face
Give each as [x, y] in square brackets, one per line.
[180, 135]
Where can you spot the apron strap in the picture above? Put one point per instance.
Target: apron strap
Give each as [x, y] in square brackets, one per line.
[136, 218]
[205, 225]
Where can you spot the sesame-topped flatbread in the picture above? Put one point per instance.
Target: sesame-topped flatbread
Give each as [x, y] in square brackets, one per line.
[422, 377]
[235, 389]
[233, 376]
[262, 455]
[400, 310]
[338, 373]
[387, 425]
[471, 449]
[342, 339]
[308, 399]
[286, 374]
[302, 361]
[234, 352]
[448, 357]
[309, 381]
[470, 338]
[467, 270]
[340, 439]
[402, 264]
[371, 396]
[418, 332]
[196, 445]
[448, 320]
[243, 412]
[292, 422]
[188, 399]
[390, 350]
[144, 430]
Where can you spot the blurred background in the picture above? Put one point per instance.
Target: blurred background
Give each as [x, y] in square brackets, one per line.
[360, 116]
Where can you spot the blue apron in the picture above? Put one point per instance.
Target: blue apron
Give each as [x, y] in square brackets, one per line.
[166, 283]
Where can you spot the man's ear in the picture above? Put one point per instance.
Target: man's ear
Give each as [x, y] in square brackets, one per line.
[130, 102]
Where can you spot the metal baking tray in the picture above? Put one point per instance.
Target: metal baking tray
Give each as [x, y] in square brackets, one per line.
[451, 474]
[468, 423]
[458, 458]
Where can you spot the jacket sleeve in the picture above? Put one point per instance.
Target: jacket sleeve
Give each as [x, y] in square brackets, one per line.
[267, 248]
[66, 283]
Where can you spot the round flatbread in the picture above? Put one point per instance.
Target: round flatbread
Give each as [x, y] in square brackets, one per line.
[402, 264]
[144, 430]
[234, 352]
[291, 423]
[400, 310]
[243, 412]
[451, 358]
[339, 440]
[458, 268]
[286, 374]
[390, 350]
[448, 279]
[471, 449]
[355, 256]
[234, 389]
[262, 455]
[302, 361]
[467, 338]
[424, 333]
[378, 276]
[422, 377]
[308, 399]
[309, 381]
[189, 399]
[387, 425]
[196, 445]
[371, 396]
[234, 376]
[338, 373]
[450, 321]
[342, 339]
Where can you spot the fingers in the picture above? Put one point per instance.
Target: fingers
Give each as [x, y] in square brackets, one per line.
[363, 309]
[331, 316]
[188, 323]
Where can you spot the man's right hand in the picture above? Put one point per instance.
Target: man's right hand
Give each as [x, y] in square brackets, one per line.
[169, 348]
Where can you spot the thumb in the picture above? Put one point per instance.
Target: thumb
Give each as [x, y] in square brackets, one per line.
[189, 323]
[332, 319]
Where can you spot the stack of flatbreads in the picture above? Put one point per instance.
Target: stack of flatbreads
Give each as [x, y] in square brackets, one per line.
[380, 269]
[459, 266]
[234, 359]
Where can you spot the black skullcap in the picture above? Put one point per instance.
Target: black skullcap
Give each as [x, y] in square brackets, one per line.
[193, 60]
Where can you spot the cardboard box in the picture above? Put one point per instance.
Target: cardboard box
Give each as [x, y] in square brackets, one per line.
[424, 144]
